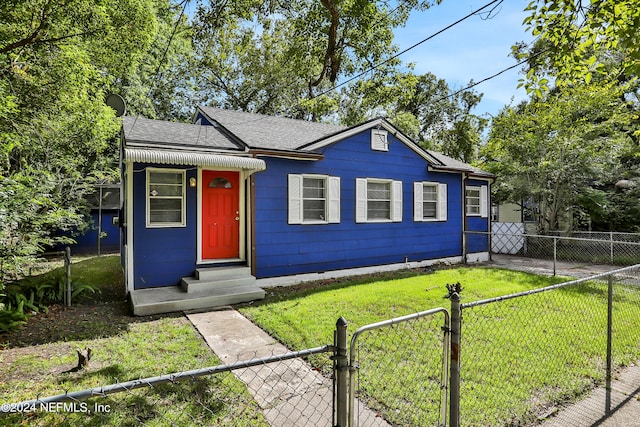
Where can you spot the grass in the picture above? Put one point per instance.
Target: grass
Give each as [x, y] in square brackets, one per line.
[519, 357]
[305, 318]
[143, 347]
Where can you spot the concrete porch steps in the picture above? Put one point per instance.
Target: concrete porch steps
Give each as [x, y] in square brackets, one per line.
[209, 288]
[218, 277]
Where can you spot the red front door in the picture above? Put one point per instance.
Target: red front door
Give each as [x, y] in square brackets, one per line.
[220, 215]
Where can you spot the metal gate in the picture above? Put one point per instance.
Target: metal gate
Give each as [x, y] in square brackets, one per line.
[399, 370]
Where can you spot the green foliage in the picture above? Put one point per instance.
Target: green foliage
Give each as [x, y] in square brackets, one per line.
[58, 60]
[275, 58]
[576, 38]
[563, 150]
[422, 107]
[33, 295]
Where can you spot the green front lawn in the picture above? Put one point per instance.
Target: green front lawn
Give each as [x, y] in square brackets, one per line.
[519, 357]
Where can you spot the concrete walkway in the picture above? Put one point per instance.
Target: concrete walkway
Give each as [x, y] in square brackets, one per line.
[545, 267]
[590, 412]
[291, 392]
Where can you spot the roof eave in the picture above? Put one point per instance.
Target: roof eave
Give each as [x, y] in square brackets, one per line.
[468, 171]
[294, 155]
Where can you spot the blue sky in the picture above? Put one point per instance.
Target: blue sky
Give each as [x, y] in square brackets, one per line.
[473, 49]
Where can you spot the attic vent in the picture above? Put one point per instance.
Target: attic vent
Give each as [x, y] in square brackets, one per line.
[379, 140]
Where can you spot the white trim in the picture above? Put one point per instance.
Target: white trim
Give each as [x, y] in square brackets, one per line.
[361, 200]
[128, 222]
[295, 214]
[199, 216]
[483, 191]
[333, 199]
[418, 208]
[378, 123]
[484, 199]
[396, 201]
[270, 282]
[442, 202]
[183, 198]
[191, 158]
[295, 199]
[466, 200]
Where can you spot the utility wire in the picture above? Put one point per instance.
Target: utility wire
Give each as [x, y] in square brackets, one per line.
[374, 67]
[158, 74]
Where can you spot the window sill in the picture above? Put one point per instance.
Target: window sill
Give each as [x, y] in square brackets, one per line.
[172, 225]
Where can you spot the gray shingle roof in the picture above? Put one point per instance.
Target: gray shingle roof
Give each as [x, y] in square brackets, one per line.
[157, 133]
[270, 132]
[253, 130]
[453, 164]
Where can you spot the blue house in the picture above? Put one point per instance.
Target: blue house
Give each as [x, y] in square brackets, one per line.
[235, 201]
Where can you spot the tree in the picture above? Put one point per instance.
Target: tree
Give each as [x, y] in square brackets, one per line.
[57, 140]
[573, 36]
[422, 107]
[163, 86]
[274, 57]
[555, 150]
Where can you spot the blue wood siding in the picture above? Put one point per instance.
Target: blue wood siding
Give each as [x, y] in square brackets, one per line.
[283, 249]
[162, 256]
[87, 242]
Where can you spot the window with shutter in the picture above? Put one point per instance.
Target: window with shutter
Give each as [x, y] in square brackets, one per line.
[314, 199]
[430, 201]
[378, 200]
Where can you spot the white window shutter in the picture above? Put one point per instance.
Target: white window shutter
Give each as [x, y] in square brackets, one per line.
[483, 201]
[295, 199]
[396, 201]
[418, 214]
[361, 200]
[442, 202]
[333, 183]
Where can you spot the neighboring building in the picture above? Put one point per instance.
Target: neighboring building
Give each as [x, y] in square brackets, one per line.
[103, 234]
[507, 212]
[268, 197]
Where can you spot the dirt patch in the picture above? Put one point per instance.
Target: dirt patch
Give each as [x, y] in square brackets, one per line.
[79, 322]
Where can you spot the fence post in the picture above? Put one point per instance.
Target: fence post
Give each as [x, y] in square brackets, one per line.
[609, 343]
[555, 253]
[611, 239]
[341, 371]
[67, 265]
[454, 368]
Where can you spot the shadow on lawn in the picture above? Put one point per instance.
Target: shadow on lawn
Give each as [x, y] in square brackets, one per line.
[80, 322]
[284, 293]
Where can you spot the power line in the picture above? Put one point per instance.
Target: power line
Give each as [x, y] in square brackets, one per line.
[374, 67]
[184, 4]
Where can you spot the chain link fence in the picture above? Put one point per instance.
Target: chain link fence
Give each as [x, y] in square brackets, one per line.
[510, 360]
[400, 371]
[524, 355]
[281, 390]
[558, 255]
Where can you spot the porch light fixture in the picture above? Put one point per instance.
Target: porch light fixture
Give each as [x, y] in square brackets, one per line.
[192, 182]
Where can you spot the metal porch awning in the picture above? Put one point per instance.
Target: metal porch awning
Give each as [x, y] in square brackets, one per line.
[168, 157]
